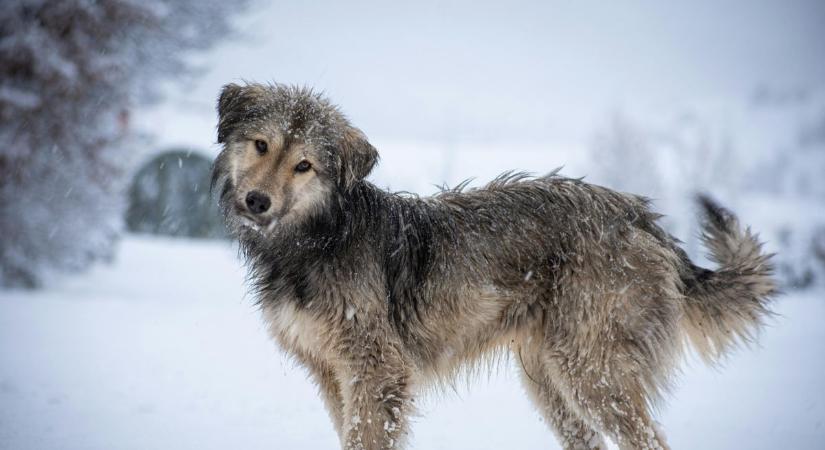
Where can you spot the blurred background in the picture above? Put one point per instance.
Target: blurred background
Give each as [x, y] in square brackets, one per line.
[123, 317]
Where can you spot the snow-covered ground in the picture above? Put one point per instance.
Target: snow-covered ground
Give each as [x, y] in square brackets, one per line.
[163, 350]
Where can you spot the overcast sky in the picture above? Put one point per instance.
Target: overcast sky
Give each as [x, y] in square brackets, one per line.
[483, 71]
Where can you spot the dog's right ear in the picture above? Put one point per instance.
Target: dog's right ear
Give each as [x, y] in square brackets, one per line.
[228, 116]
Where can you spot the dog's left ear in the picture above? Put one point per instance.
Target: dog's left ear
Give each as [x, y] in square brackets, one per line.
[227, 102]
[358, 157]
[238, 104]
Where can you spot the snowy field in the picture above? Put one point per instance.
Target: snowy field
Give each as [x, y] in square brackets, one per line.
[162, 350]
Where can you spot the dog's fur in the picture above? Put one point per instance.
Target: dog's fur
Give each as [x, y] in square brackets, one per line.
[379, 294]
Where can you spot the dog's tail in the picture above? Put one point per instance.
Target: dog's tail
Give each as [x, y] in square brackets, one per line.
[726, 307]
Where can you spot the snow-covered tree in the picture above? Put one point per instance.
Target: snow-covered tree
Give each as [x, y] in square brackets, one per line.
[70, 72]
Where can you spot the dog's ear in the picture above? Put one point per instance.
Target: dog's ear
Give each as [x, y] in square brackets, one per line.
[238, 104]
[358, 156]
[229, 110]
[229, 93]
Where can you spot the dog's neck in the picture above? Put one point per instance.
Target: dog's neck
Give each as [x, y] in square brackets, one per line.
[281, 260]
[400, 237]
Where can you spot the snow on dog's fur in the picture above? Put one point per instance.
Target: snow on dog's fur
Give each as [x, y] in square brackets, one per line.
[380, 294]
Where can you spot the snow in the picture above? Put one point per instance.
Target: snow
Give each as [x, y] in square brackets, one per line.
[164, 350]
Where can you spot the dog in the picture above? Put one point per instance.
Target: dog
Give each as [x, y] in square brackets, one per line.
[381, 294]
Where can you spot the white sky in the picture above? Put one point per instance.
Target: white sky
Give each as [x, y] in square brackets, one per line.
[523, 70]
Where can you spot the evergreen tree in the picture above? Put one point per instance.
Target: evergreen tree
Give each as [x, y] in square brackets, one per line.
[70, 72]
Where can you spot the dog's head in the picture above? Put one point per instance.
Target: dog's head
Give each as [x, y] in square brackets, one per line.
[287, 152]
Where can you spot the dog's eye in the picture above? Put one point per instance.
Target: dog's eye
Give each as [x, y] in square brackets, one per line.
[303, 166]
[260, 146]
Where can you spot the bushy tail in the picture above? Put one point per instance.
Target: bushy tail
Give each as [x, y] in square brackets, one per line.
[727, 307]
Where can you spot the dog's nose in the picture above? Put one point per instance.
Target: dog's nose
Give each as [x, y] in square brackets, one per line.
[257, 202]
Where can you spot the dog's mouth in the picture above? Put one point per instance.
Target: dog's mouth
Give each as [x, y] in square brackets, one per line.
[259, 224]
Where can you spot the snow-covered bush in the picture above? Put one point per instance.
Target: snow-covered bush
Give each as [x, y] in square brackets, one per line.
[669, 160]
[791, 180]
[625, 157]
[70, 72]
[170, 195]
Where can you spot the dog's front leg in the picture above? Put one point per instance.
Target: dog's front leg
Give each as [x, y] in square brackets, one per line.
[329, 388]
[376, 396]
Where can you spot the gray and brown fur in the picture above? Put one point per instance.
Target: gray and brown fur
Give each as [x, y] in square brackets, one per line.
[380, 295]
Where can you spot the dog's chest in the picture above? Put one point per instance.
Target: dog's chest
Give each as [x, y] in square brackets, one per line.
[296, 329]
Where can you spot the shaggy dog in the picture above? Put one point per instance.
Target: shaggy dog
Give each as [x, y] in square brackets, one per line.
[379, 294]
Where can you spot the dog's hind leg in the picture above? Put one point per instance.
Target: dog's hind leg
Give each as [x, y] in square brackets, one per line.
[571, 430]
[619, 412]
[610, 398]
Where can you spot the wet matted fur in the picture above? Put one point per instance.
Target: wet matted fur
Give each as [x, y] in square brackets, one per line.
[379, 294]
